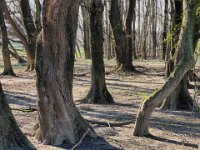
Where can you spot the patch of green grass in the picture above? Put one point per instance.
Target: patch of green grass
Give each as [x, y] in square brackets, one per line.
[143, 94]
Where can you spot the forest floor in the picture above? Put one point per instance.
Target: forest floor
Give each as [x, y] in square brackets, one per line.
[175, 130]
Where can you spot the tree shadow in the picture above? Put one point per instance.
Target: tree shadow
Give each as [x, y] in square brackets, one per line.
[172, 141]
[98, 143]
[21, 99]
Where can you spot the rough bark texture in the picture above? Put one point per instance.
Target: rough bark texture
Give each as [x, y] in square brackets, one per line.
[98, 92]
[8, 70]
[185, 45]
[59, 118]
[11, 137]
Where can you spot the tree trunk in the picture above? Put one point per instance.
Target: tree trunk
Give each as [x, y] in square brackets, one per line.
[11, 137]
[22, 37]
[8, 70]
[98, 93]
[166, 20]
[130, 37]
[185, 45]
[59, 119]
[180, 98]
[31, 32]
[38, 16]
[86, 27]
[154, 27]
[144, 32]
[123, 39]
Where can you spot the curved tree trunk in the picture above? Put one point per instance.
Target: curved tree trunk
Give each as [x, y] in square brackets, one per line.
[59, 119]
[8, 70]
[98, 93]
[180, 98]
[11, 137]
[185, 45]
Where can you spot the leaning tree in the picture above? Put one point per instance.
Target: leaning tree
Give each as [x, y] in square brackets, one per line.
[59, 119]
[185, 49]
[11, 137]
[98, 92]
[180, 98]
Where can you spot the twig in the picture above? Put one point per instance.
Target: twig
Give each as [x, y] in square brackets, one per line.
[81, 140]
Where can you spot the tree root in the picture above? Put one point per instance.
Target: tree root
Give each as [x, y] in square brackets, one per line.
[25, 110]
[114, 124]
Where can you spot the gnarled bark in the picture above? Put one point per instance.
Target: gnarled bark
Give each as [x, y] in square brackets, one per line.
[59, 119]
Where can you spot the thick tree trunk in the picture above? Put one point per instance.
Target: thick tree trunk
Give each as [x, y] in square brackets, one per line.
[98, 92]
[8, 70]
[11, 137]
[185, 45]
[59, 119]
[86, 28]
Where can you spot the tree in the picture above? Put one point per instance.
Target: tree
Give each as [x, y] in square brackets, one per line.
[123, 37]
[180, 98]
[11, 136]
[28, 40]
[86, 27]
[185, 49]
[98, 92]
[8, 70]
[59, 119]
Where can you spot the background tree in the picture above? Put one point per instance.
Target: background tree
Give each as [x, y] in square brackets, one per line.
[29, 38]
[123, 37]
[8, 70]
[98, 92]
[59, 119]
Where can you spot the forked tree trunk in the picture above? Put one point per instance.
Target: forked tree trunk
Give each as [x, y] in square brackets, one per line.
[98, 93]
[11, 137]
[185, 45]
[59, 119]
[8, 70]
[123, 38]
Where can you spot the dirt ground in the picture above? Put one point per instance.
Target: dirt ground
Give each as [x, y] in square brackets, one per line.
[173, 130]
